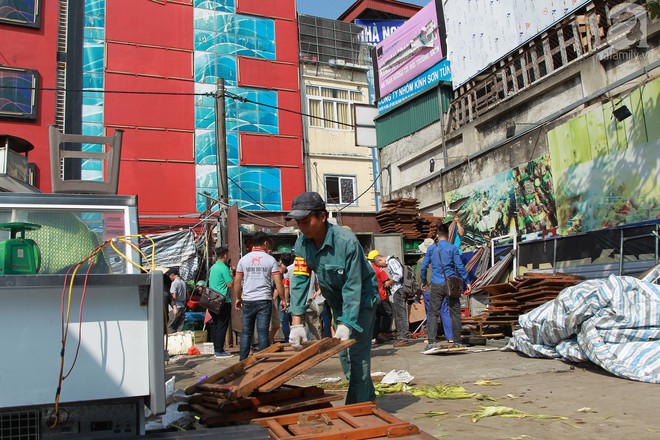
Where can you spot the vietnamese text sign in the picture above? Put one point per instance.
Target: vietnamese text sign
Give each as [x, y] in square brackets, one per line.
[437, 73]
[376, 31]
[409, 51]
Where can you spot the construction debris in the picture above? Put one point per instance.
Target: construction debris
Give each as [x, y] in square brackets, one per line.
[256, 386]
[507, 301]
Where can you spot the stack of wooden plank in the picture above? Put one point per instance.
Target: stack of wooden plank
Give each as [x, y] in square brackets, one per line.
[256, 387]
[507, 301]
[399, 216]
[426, 225]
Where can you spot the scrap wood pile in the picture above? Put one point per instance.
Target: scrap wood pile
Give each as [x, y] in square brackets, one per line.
[507, 301]
[402, 216]
[256, 387]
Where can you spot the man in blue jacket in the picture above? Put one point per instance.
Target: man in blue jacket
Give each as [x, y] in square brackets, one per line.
[347, 282]
[453, 266]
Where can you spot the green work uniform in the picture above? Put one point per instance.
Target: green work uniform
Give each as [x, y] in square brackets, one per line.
[349, 285]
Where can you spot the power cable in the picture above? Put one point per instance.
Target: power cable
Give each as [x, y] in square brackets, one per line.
[363, 192]
[208, 94]
[247, 194]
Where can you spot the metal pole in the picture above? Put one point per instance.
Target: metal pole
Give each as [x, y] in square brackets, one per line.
[621, 254]
[221, 141]
[221, 160]
[445, 156]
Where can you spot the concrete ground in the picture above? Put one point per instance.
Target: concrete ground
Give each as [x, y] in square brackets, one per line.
[596, 404]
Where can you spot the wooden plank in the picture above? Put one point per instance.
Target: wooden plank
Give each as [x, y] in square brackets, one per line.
[278, 430]
[306, 365]
[236, 369]
[260, 376]
[301, 402]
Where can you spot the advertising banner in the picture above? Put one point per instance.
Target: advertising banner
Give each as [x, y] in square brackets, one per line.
[410, 50]
[437, 73]
[479, 32]
[376, 31]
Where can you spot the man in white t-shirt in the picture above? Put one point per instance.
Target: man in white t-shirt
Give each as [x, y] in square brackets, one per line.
[255, 273]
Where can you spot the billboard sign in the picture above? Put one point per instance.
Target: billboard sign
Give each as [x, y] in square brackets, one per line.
[376, 31]
[410, 50]
[480, 32]
[430, 78]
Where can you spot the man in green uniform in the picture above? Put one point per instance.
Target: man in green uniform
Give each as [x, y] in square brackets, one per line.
[347, 282]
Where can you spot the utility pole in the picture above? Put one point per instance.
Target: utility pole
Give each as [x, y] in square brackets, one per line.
[221, 159]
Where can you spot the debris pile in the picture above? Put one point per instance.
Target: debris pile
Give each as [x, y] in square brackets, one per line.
[507, 301]
[402, 216]
[256, 387]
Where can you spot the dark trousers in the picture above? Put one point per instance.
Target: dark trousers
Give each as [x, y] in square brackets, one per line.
[255, 312]
[400, 305]
[220, 326]
[438, 295]
[326, 320]
[383, 318]
[285, 318]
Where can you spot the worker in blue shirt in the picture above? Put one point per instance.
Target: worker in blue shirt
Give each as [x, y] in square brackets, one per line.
[347, 282]
[453, 266]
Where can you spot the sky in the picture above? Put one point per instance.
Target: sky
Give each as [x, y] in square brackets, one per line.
[334, 8]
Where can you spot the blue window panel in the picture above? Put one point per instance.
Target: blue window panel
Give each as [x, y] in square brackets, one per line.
[245, 26]
[94, 33]
[92, 81]
[204, 40]
[267, 118]
[93, 53]
[265, 29]
[253, 187]
[222, 38]
[266, 48]
[268, 98]
[231, 124]
[93, 98]
[92, 113]
[205, 147]
[216, 5]
[90, 174]
[204, 118]
[248, 127]
[91, 129]
[95, 22]
[201, 200]
[209, 67]
[204, 19]
[206, 176]
[95, 8]
[207, 100]
[232, 148]
[224, 23]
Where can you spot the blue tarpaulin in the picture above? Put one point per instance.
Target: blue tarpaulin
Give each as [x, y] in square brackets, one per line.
[613, 322]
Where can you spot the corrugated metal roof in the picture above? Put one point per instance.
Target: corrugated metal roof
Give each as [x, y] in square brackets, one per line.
[407, 119]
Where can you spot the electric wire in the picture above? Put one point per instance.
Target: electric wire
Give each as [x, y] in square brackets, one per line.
[363, 192]
[208, 94]
[247, 194]
[65, 312]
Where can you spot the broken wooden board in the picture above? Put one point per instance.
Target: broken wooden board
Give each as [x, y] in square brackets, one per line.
[351, 422]
[269, 369]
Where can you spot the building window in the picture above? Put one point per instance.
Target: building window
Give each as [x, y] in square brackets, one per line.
[340, 190]
[20, 12]
[332, 108]
[18, 93]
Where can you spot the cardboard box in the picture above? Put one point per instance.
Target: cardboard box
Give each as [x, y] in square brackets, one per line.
[200, 336]
[416, 312]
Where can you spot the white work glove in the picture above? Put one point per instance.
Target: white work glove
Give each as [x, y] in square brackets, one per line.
[342, 333]
[297, 334]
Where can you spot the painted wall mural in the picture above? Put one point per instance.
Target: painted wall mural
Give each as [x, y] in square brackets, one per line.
[518, 200]
[221, 36]
[599, 173]
[610, 176]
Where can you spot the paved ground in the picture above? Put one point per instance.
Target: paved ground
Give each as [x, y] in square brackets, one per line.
[619, 408]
